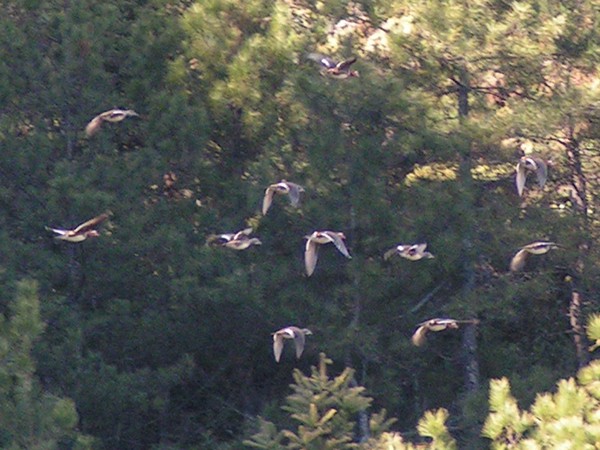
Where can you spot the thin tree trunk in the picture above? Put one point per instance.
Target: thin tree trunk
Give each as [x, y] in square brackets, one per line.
[578, 180]
[75, 273]
[463, 95]
[469, 343]
[579, 199]
[363, 415]
[579, 338]
[471, 365]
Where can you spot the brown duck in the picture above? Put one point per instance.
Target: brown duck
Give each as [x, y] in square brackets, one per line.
[420, 335]
[530, 164]
[113, 116]
[413, 252]
[293, 191]
[295, 333]
[535, 248]
[240, 240]
[222, 239]
[81, 232]
[320, 238]
[243, 243]
[339, 70]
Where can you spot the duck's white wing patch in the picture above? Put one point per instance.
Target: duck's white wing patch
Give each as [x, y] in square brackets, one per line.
[57, 231]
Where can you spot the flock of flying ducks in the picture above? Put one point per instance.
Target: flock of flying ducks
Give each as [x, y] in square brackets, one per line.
[242, 240]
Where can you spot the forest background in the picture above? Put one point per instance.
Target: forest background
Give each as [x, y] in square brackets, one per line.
[147, 338]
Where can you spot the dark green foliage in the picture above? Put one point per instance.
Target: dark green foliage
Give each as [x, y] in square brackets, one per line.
[32, 418]
[164, 342]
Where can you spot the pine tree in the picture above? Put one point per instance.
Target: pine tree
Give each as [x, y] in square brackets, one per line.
[32, 418]
[568, 416]
[325, 409]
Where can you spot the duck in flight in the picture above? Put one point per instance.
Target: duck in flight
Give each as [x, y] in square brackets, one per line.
[293, 191]
[419, 337]
[240, 240]
[222, 239]
[113, 116]
[319, 238]
[412, 252]
[535, 248]
[81, 232]
[339, 70]
[292, 332]
[530, 164]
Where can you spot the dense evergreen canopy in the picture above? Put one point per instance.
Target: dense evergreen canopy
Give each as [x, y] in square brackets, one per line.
[147, 337]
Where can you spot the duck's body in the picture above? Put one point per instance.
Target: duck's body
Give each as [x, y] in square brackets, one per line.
[243, 243]
[224, 238]
[420, 335]
[339, 70]
[319, 238]
[412, 252]
[530, 164]
[113, 116]
[293, 190]
[81, 232]
[292, 332]
[535, 248]
[240, 240]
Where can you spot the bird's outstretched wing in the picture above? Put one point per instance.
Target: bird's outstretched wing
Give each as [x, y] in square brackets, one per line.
[299, 340]
[268, 199]
[58, 231]
[518, 261]
[294, 193]
[339, 243]
[242, 234]
[345, 65]
[420, 248]
[391, 252]
[277, 346]
[420, 335]
[310, 256]
[93, 126]
[90, 223]
[325, 61]
[541, 172]
[520, 178]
